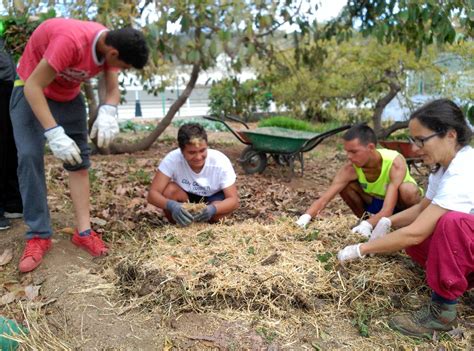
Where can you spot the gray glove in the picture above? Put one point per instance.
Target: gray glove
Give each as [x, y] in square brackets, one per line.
[206, 214]
[179, 214]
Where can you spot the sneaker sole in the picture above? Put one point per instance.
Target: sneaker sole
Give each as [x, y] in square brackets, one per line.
[4, 227]
[13, 215]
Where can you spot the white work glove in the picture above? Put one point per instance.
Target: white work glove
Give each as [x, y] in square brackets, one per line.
[364, 228]
[303, 220]
[350, 252]
[62, 146]
[382, 228]
[105, 127]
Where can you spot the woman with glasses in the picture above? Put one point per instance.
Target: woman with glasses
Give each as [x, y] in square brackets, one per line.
[438, 233]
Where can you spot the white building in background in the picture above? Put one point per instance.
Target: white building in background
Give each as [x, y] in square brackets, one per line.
[157, 106]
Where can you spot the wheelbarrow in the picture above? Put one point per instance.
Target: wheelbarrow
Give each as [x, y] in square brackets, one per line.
[282, 144]
[404, 148]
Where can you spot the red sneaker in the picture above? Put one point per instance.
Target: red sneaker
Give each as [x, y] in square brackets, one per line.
[34, 251]
[92, 243]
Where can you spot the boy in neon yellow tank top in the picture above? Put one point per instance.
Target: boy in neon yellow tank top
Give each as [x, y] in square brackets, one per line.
[373, 180]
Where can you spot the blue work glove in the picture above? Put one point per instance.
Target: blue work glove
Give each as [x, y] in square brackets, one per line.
[206, 214]
[179, 214]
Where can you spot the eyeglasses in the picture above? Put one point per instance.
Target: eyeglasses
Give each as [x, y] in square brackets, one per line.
[420, 142]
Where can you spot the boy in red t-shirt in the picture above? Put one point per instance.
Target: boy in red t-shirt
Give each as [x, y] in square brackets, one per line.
[46, 102]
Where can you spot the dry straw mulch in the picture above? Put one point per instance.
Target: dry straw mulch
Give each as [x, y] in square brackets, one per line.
[259, 267]
[282, 272]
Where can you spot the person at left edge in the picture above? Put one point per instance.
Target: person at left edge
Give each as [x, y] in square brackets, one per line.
[10, 198]
[46, 102]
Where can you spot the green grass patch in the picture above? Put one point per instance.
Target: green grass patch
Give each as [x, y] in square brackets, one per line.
[297, 124]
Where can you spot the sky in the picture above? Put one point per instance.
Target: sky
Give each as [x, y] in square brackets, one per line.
[329, 9]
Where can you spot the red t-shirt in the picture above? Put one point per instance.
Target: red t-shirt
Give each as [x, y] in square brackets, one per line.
[69, 47]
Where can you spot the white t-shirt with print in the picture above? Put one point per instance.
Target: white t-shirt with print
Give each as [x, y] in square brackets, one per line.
[453, 189]
[217, 173]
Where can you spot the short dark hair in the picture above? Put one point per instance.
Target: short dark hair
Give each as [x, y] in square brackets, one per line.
[440, 116]
[130, 44]
[363, 132]
[190, 131]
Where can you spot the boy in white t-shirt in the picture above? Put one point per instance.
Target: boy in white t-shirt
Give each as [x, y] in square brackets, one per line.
[194, 173]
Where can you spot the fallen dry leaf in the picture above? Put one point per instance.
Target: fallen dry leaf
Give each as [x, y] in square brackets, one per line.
[32, 291]
[7, 298]
[135, 201]
[68, 230]
[98, 221]
[6, 257]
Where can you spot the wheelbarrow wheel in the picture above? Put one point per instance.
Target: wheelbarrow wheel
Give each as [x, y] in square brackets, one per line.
[281, 159]
[253, 161]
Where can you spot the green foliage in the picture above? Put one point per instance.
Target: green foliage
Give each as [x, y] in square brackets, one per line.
[358, 73]
[326, 259]
[311, 236]
[18, 28]
[130, 126]
[141, 176]
[267, 334]
[362, 320]
[416, 24]
[230, 97]
[469, 112]
[287, 122]
[205, 237]
[171, 239]
[401, 135]
[296, 124]
[208, 125]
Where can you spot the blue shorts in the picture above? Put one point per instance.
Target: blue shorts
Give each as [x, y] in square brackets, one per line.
[219, 196]
[376, 205]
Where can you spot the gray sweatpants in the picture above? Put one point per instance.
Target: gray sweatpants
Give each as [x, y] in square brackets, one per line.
[30, 142]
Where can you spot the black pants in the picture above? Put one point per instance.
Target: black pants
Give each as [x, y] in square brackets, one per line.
[10, 198]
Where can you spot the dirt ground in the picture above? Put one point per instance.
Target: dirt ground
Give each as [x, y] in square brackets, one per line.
[77, 304]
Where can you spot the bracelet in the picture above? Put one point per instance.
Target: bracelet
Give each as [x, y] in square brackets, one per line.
[47, 130]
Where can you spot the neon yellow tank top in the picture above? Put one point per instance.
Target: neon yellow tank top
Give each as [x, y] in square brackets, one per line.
[379, 187]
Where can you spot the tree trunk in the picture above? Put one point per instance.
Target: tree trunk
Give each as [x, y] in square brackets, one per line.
[91, 103]
[147, 142]
[382, 103]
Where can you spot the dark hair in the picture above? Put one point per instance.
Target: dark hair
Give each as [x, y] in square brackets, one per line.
[130, 44]
[190, 131]
[363, 132]
[442, 115]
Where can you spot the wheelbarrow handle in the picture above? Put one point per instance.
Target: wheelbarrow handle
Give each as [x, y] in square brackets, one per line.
[236, 119]
[313, 142]
[214, 119]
